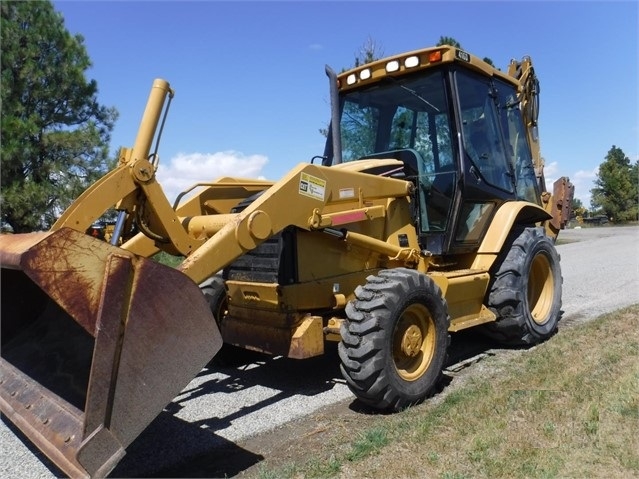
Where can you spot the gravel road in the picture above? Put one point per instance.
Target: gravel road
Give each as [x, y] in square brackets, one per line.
[221, 406]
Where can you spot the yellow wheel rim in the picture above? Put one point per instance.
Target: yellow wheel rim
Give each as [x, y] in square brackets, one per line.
[414, 342]
[541, 288]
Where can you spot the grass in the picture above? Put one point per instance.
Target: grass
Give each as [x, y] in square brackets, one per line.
[168, 259]
[567, 408]
[368, 443]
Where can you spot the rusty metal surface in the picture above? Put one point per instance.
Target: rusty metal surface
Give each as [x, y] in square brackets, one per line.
[12, 246]
[70, 268]
[109, 341]
[104, 368]
[563, 192]
[50, 424]
[170, 335]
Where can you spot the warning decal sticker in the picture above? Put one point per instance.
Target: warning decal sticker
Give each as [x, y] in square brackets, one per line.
[312, 186]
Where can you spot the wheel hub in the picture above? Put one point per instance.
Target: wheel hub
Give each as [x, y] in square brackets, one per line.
[412, 341]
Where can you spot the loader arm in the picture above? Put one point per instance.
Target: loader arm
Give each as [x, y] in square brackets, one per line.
[310, 197]
[215, 198]
[133, 188]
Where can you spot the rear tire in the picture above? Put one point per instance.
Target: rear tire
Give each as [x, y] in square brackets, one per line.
[395, 340]
[525, 290]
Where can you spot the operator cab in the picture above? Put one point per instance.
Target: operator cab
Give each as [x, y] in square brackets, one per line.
[461, 137]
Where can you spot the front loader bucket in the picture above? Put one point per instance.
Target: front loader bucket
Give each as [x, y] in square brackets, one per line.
[95, 343]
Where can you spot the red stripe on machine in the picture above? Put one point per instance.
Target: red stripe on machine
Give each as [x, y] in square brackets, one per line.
[348, 217]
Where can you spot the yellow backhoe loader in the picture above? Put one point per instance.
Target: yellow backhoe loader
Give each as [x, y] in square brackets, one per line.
[427, 214]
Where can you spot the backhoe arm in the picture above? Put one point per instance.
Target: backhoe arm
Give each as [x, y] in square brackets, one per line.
[559, 202]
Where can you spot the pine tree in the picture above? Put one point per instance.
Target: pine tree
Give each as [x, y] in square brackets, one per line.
[54, 133]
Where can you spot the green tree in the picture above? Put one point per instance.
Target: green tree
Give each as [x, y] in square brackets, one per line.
[616, 190]
[449, 41]
[54, 133]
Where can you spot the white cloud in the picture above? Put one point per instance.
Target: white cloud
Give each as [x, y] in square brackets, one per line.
[551, 174]
[583, 180]
[587, 174]
[316, 47]
[184, 170]
[551, 169]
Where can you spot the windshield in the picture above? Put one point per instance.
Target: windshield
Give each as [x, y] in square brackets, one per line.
[407, 119]
[406, 113]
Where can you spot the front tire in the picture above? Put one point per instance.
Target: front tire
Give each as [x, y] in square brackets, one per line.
[395, 340]
[525, 291]
[214, 291]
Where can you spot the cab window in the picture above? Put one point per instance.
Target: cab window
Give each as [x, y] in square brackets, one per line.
[517, 147]
[481, 130]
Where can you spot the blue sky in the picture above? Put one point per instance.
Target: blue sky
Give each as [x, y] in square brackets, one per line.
[251, 93]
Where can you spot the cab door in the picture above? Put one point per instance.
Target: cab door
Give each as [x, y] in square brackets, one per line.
[486, 167]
